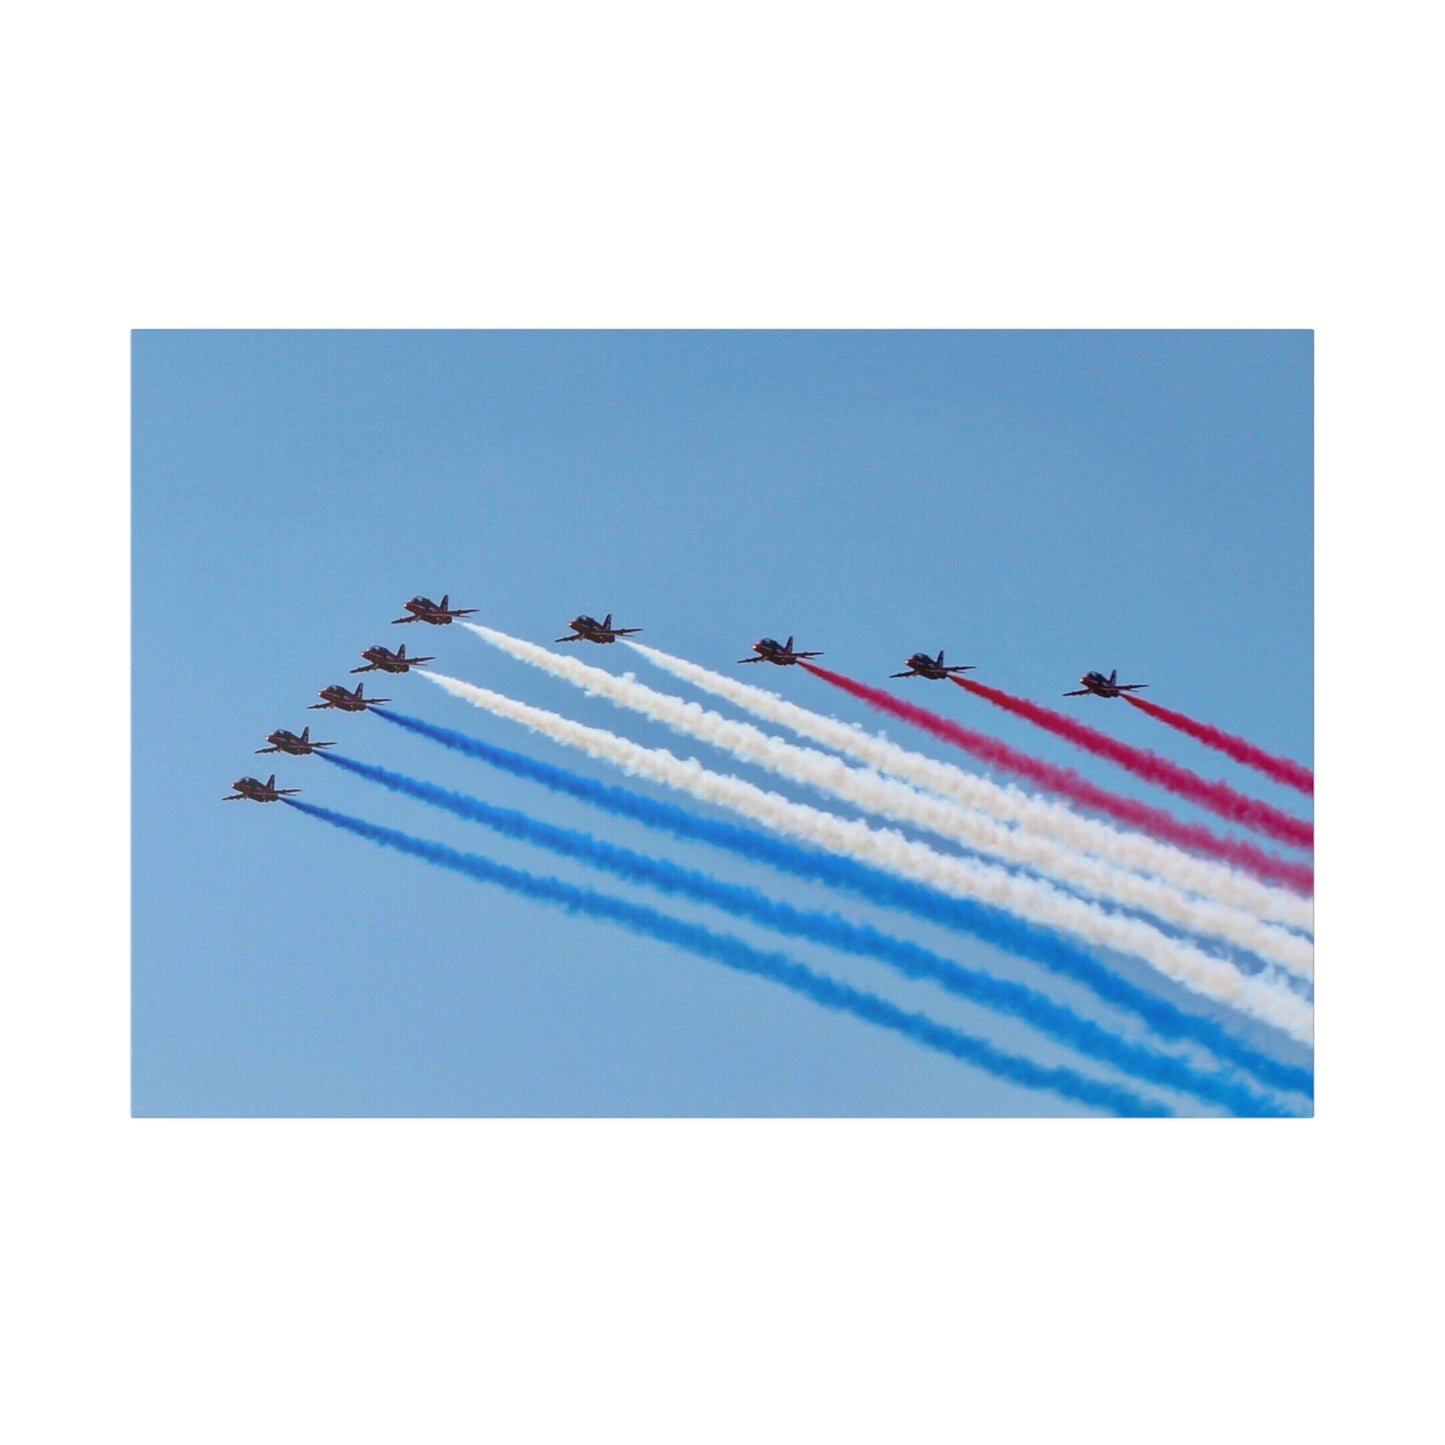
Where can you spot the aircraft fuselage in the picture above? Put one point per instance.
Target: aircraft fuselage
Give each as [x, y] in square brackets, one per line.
[781, 654]
[589, 629]
[383, 659]
[284, 741]
[922, 665]
[254, 791]
[1101, 686]
[423, 609]
[337, 696]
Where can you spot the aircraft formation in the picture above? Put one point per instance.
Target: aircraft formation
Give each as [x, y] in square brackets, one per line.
[337, 695]
[584, 629]
[1050, 880]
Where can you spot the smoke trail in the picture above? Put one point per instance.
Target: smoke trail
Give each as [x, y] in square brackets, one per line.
[1030, 812]
[1217, 797]
[1282, 770]
[903, 803]
[893, 853]
[1040, 902]
[735, 954]
[976, 824]
[1060, 1023]
[1070, 785]
[1007, 932]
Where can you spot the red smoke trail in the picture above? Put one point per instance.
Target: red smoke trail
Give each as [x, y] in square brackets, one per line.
[1217, 797]
[1282, 770]
[1070, 785]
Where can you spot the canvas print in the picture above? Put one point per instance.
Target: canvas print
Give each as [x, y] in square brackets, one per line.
[707, 723]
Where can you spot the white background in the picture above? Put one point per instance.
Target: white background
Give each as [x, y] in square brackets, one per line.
[788, 165]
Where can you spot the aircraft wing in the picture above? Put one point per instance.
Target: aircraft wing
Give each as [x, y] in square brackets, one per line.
[268, 750]
[577, 637]
[407, 618]
[1131, 686]
[1080, 692]
[370, 667]
[751, 659]
[909, 673]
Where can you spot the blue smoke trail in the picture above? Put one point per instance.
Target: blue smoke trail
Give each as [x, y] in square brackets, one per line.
[993, 925]
[733, 953]
[1002, 995]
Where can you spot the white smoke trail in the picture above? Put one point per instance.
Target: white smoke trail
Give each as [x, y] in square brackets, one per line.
[1261, 995]
[896, 800]
[1031, 813]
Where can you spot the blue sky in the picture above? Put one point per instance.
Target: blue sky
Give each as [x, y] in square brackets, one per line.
[1036, 503]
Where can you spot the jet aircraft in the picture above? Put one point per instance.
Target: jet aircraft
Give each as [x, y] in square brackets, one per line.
[337, 696]
[285, 741]
[922, 665]
[266, 792]
[385, 660]
[1101, 686]
[770, 650]
[423, 609]
[589, 629]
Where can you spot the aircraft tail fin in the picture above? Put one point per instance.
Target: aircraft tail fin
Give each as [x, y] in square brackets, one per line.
[940, 657]
[401, 651]
[788, 645]
[607, 622]
[271, 781]
[1113, 677]
[306, 733]
[445, 600]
